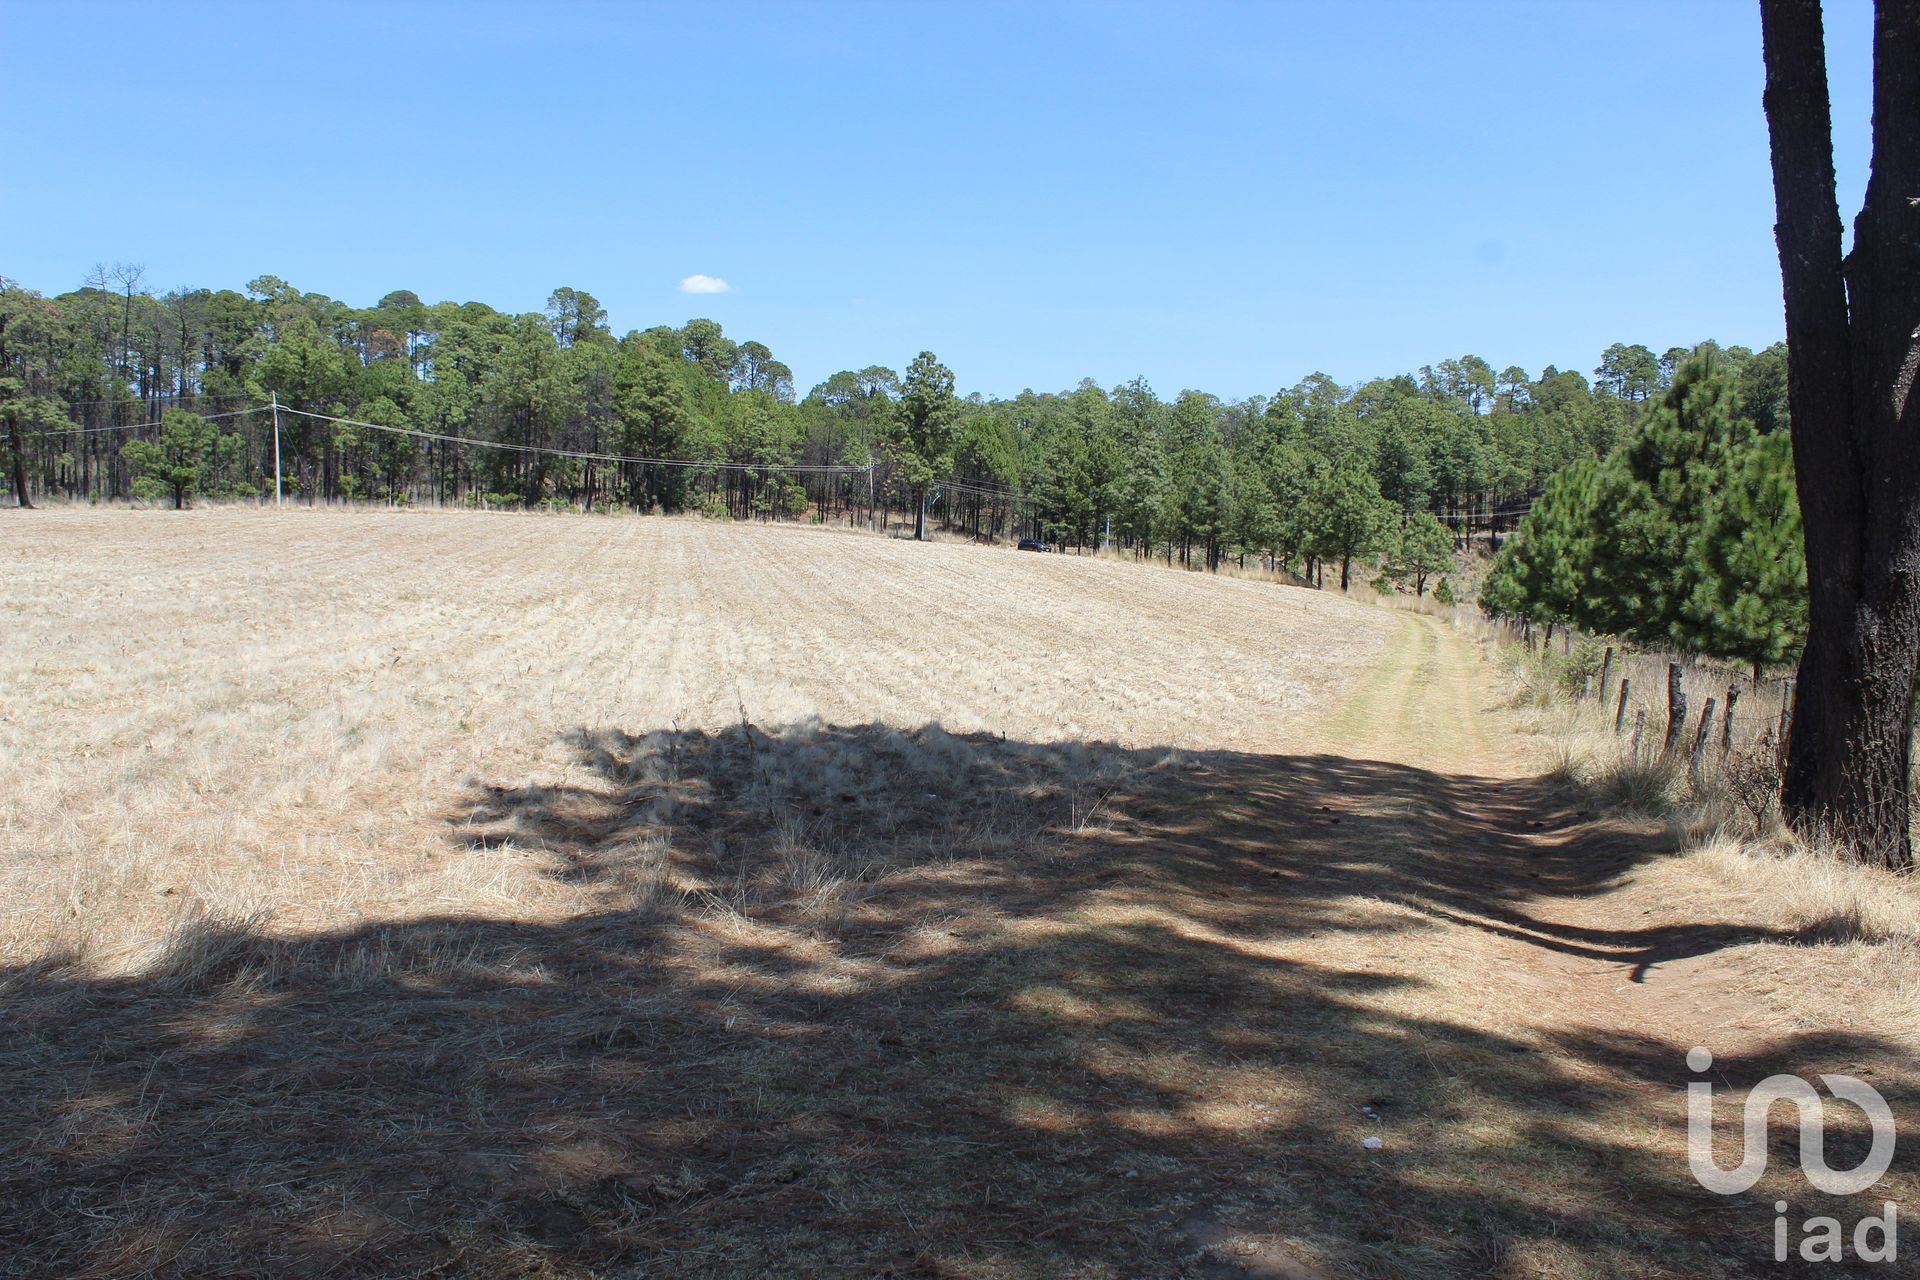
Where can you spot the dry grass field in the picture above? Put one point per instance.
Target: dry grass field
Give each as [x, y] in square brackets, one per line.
[275, 718]
[486, 895]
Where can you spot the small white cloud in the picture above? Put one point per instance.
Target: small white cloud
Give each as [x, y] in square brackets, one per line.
[705, 284]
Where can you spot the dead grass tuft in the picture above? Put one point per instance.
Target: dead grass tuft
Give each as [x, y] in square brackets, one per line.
[204, 949]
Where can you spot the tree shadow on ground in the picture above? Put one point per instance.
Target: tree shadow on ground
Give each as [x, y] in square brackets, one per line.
[870, 1001]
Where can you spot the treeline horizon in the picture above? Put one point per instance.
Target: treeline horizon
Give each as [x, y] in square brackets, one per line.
[1376, 472]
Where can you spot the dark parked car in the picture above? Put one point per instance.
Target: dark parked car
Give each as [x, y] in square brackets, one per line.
[1033, 544]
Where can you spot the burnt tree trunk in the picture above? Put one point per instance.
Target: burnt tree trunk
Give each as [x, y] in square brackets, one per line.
[1851, 362]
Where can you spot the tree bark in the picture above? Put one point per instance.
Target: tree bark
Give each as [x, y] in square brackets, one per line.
[1852, 355]
[1676, 708]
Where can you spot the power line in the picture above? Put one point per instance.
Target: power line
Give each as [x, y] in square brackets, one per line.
[583, 455]
[985, 492]
[811, 468]
[140, 400]
[137, 426]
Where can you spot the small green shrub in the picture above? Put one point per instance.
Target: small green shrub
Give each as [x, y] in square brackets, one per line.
[1574, 670]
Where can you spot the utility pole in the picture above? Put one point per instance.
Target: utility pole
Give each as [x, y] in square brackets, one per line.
[276, 448]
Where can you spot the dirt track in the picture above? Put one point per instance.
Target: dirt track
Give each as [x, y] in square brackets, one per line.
[1427, 701]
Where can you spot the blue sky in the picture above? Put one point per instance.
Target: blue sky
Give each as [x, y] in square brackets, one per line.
[1220, 196]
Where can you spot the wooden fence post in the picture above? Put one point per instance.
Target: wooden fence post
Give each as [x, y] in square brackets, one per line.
[1620, 716]
[1726, 728]
[1676, 707]
[1606, 669]
[1700, 739]
[1639, 728]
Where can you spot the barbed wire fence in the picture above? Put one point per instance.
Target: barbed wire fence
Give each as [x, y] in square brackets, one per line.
[1668, 707]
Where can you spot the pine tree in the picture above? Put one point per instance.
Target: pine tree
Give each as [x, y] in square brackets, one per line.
[925, 430]
[190, 457]
[1746, 579]
[1650, 503]
[1421, 548]
[1543, 572]
[1286, 472]
[656, 420]
[1348, 517]
[1403, 455]
[1688, 534]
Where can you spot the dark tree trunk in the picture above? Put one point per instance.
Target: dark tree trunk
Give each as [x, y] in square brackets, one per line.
[13, 437]
[19, 469]
[1852, 355]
